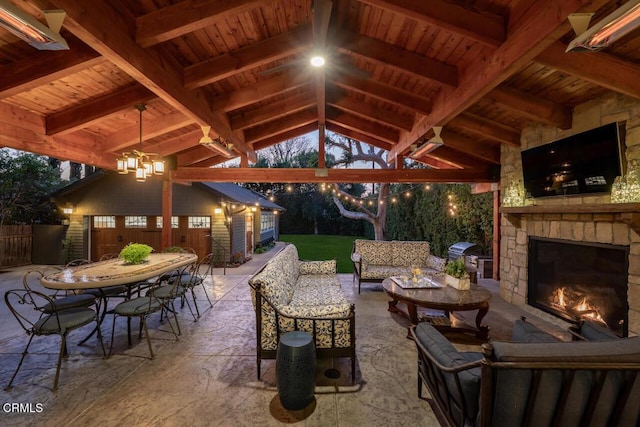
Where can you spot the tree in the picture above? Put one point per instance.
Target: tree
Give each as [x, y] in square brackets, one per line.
[26, 183]
[354, 151]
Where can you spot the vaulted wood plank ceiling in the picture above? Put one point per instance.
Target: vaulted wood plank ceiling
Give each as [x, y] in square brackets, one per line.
[483, 69]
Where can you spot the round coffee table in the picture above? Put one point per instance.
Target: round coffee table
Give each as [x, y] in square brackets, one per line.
[444, 298]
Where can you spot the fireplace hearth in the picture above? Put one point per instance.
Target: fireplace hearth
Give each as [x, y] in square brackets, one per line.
[578, 280]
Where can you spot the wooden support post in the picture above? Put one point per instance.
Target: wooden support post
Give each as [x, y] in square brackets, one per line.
[167, 212]
[496, 234]
[321, 129]
[244, 160]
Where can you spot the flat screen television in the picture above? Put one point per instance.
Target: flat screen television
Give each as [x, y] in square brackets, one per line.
[584, 163]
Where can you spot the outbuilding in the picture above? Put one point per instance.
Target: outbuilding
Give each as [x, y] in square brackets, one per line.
[106, 211]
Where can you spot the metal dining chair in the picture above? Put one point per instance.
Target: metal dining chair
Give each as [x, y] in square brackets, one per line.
[31, 282]
[141, 307]
[104, 294]
[40, 315]
[197, 277]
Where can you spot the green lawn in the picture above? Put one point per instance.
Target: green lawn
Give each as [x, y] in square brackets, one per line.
[315, 247]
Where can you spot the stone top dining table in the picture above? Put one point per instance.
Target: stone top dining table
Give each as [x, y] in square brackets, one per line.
[116, 272]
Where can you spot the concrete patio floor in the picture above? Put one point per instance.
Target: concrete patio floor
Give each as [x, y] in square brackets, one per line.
[208, 377]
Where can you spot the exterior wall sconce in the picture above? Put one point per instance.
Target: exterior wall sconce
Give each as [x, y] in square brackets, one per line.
[67, 210]
[217, 211]
[254, 209]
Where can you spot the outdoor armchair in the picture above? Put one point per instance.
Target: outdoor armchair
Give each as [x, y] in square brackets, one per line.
[31, 282]
[38, 315]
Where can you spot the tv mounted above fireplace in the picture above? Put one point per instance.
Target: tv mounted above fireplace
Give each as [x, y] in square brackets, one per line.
[584, 163]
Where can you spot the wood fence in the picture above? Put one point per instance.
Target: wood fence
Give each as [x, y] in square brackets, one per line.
[15, 245]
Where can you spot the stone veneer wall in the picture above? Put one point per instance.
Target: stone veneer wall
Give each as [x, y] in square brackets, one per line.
[601, 228]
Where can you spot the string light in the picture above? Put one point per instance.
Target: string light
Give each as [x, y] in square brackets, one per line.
[370, 200]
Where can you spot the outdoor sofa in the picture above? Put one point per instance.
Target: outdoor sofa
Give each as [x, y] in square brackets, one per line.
[534, 379]
[376, 260]
[289, 294]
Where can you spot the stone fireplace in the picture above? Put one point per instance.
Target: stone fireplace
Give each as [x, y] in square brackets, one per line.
[590, 220]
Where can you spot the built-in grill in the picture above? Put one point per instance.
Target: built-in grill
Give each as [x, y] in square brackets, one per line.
[483, 263]
[463, 248]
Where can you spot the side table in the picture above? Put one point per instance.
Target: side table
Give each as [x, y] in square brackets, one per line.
[296, 369]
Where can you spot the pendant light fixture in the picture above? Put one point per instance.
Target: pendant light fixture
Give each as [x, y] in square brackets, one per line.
[142, 164]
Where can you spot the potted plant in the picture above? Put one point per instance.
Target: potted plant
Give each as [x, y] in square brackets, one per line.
[456, 275]
[135, 253]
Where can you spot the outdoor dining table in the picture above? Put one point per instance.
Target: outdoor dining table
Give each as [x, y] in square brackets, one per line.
[116, 272]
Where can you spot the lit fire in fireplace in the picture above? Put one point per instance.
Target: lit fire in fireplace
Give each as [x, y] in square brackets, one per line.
[576, 305]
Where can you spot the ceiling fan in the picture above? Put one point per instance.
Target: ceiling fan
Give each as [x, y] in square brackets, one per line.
[320, 54]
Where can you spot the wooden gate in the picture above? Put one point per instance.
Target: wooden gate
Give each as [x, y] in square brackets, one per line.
[15, 245]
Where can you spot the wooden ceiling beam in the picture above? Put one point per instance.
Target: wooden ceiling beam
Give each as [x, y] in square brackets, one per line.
[456, 158]
[487, 128]
[305, 175]
[90, 112]
[393, 57]
[175, 145]
[598, 68]
[361, 125]
[283, 124]
[187, 16]
[248, 57]
[130, 135]
[321, 96]
[99, 25]
[44, 67]
[287, 81]
[533, 107]
[486, 152]
[363, 109]
[267, 142]
[544, 22]
[485, 28]
[272, 111]
[197, 154]
[435, 163]
[384, 92]
[24, 130]
[359, 136]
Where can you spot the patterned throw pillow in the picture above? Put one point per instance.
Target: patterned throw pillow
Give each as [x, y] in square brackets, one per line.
[436, 263]
[318, 267]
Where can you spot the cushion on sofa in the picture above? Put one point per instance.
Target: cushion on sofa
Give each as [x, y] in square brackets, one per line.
[594, 332]
[407, 253]
[446, 354]
[374, 252]
[435, 263]
[317, 267]
[524, 331]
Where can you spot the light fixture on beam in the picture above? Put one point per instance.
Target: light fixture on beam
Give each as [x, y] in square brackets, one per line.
[430, 145]
[615, 25]
[29, 29]
[143, 164]
[217, 144]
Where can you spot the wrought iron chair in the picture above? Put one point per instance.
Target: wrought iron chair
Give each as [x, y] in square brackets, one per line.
[196, 277]
[103, 295]
[173, 286]
[31, 282]
[45, 318]
[141, 307]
